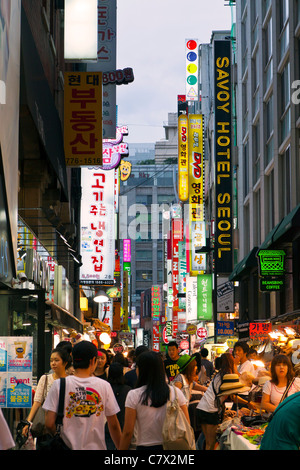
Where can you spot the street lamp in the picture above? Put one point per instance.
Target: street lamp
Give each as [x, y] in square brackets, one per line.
[101, 297]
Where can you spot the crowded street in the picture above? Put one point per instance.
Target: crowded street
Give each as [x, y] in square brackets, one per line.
[149, 229]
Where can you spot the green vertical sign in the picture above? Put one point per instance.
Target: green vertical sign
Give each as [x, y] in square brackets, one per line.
[204, 297]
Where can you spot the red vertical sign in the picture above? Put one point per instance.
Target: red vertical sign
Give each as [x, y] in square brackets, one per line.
[177, 236]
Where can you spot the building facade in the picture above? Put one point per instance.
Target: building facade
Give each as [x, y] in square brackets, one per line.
[267, 66]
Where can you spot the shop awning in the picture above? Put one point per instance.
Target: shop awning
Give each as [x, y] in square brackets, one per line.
[269, 240]
[63, 318]
[249, 262]
[291, 221]
[37, 96]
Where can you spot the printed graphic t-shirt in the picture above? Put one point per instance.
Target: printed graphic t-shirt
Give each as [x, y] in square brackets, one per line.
[171, 368]
[87, 403]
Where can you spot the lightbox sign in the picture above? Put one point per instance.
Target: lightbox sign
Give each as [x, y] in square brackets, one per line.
[204, 297]
[155, 303]
[271, 270]
[260, 330]
[183, 158]
[223, 157]
[195, 165]
[97, 227]
[192, 86]
[82, 120]
[81, 29]
[127, 251]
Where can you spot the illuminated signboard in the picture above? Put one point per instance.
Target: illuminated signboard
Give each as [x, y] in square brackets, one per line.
[82, 120]
[127, 251]
[97, 227]
[271, 270]
[223, 157]
[155, 303]
[183, 171]
[204, 297]
[192, 85]
[260, 330]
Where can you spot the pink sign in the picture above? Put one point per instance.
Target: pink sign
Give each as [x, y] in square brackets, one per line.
[127, 251]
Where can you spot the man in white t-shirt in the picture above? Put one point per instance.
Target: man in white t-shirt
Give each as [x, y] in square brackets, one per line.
[240, 352]
[89, 403]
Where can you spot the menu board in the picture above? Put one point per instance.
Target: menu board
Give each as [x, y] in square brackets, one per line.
[15, 372]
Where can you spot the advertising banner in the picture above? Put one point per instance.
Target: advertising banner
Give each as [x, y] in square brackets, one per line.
[97, 227]
[204, 297]
[223, 157]
[16, 372]
[183, 158]
[83, 119]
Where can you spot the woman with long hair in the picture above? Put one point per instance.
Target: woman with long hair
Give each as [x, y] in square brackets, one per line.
[60, 360]
[283, 383]
[186, 379]
[146, 404]
[210, 407]
[103, 362]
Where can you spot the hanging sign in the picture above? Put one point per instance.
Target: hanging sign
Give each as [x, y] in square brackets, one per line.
[183, 158]
[223, 157]
[192, 85]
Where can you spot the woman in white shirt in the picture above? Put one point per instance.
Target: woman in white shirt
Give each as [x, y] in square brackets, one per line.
[283, 375]
[146, 405]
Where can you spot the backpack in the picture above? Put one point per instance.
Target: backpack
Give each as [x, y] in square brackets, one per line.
[177, 432]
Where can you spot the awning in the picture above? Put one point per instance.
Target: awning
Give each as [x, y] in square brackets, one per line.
[36, 94]
[291, 221]
[249, 262]
[289, 226]
[63, 318]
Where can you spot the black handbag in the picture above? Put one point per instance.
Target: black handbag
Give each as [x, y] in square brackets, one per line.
[54, 443]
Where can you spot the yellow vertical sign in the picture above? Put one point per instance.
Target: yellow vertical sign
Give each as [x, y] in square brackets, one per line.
[196, 167]
[83, 118]
[196, 194]
[183, 170]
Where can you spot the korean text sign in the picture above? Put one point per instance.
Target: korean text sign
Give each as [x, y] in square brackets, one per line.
[97, 227]
[204, 297]
[223, 157]
[15, 372]
[83, 118]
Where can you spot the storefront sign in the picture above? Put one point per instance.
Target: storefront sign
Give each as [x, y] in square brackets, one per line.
[155, 303]
[204, 297]
[97, 227]
[260, 330]
[271, 270]
[196, 168]
[191, 299]
[183, 158]
[223, 165]
[82, 121]
[177, 235]
[225, 295]
[127, 251]
[225, 328]
[202, 333]
[197, 241]
[156, 338]
[16, 372]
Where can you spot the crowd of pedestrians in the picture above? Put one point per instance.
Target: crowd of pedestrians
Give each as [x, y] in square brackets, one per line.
[119, 404]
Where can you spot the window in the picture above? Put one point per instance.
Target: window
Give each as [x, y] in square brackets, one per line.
[143, 255]
[246, 169]
[257, 209]
[285, 102]
[143, 199]
[270, 210]
[144, 275]
[284, 26]
[255, 81]
[286, 181]
[268, 54]
[269, 131]
[256, 152]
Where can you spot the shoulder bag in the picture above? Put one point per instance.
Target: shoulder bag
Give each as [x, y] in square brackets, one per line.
[55, 442]
[37, 428]
[177, 432]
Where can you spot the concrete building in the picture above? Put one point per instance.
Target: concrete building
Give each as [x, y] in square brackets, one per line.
[267, 38]
[167, 148]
